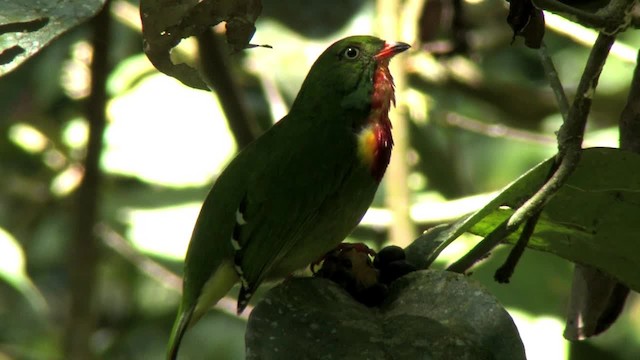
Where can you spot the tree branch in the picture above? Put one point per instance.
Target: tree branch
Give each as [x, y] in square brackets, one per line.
[216, 73]
[610, 19]
[569, 150]
[503, 274]
[554, 81]
[84, 252]
[597, 298]
[571, 132]
[585, 36]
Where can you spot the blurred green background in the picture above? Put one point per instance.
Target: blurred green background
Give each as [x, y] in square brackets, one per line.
[476, 121]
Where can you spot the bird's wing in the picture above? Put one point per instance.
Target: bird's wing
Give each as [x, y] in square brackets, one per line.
[282, 202]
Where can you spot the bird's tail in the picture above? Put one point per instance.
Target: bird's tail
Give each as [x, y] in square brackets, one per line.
[218, 284]
[177, 332]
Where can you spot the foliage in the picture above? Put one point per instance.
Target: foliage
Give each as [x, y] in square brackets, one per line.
[582, 223]
[481, 113]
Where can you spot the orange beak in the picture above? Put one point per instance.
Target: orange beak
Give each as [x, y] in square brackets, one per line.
[391, 49]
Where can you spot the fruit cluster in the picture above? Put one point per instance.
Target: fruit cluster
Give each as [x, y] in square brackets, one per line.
[351, 267]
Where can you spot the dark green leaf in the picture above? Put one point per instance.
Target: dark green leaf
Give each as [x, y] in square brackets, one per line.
[166, 22]
[423, 250]
[515, 193]
[527, 21]
[428, 315]
[592, 220]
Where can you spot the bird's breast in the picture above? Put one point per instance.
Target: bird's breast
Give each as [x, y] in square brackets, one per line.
[374, 139]
[374, 148]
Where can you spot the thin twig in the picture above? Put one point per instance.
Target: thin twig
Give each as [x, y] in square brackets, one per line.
[610, 19]
[571, 132]
[497, 130]
[597, 298]
[155, 270]
[148, 266]
[569, 150]
[586, 36]
[554, 81]
[504, 272]
[481, 250]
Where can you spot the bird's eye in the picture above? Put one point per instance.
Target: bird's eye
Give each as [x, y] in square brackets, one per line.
[351, 53]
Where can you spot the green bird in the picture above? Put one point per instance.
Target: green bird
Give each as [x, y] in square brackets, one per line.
[299, 189]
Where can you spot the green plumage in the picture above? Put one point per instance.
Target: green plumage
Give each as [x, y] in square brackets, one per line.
[293, 194]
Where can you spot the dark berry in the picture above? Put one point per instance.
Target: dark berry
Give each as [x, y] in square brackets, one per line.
[394, 270]
[387, 255]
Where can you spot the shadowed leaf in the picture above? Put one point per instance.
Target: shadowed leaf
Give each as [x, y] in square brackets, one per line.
[166, 22]
[592, 220]
[527, 21]
[427, 315]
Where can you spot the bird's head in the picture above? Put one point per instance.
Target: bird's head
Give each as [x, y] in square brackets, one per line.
[344, 75]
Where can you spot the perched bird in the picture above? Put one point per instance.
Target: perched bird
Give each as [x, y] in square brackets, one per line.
[299, 189]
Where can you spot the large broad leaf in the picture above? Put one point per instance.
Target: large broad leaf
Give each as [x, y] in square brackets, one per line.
[427, 315]
[166, 22]
[28, 26]
[592, 220]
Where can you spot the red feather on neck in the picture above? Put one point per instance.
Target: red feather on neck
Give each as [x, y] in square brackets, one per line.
[379, 123]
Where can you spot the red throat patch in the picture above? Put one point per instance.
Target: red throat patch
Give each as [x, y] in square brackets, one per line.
[375, 140]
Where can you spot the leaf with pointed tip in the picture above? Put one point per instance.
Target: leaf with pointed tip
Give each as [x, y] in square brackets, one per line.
[592, 220]
[420, 252]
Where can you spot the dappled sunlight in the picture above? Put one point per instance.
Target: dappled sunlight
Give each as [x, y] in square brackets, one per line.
[76, 133]
[163, 232]
[13, 270]
[12, 262]
[28, 138]
[67, 181]
[430, 208]
[457, 249]
[541, 335]
[75, 77]
[608, 137]
[165, 133]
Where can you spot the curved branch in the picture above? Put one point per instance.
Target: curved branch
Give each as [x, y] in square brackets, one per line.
[569, 150]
